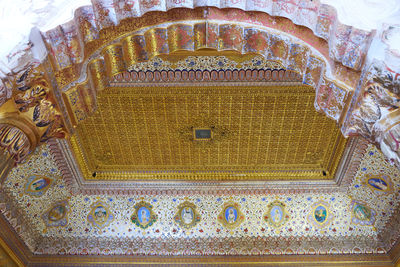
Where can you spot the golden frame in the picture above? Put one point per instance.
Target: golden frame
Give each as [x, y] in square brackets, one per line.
[178, 216]
[285, 215]
[231, 205]
[329, 215]
[92, 216]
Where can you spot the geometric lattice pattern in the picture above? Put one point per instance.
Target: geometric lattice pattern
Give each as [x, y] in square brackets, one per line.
[258, 132]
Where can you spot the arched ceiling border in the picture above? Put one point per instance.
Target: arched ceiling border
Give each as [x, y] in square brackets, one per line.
[146, 43]
[344, 41]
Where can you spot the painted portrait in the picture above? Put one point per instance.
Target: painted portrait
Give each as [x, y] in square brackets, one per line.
[276, 215]
[37, 185]
[231, 215]
[143, 216]
[361, 213]
[100, 215]
[378, 184]
[320, 214]
[57, 213]
[187, 216]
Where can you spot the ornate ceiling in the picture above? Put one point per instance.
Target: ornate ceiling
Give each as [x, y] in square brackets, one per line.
[235, 131]
[264, 129]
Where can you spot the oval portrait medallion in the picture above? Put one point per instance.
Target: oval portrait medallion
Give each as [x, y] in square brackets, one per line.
[143, 215]
[361, 213]
[57, 214]
[320, 215]
[100, 216]
[276, 215]
[379, 184]
[37, 185]
[187, 216]
[231, 216]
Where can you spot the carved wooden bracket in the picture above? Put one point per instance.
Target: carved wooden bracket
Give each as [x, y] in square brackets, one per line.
[29, 118]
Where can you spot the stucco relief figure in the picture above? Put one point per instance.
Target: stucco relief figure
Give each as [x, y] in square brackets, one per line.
[390, 144]
[376, 103]
[30, 97]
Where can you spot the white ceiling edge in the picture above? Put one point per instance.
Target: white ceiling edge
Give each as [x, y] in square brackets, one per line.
[18, 17]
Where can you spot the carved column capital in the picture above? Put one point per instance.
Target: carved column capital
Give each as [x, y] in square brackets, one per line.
[377, 115]
[29, 118]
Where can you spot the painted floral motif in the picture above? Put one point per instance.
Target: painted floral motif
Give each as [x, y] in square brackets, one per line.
[37, 185]
[361, 213]
[276, 215]
[100, 216]
[320, 215]
[187, 216]
[257, 41]
[57, 215]
[231, 37]
[149, 3]
[143, 216]
[231, 216]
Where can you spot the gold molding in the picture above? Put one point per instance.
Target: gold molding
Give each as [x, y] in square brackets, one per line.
[322, 166]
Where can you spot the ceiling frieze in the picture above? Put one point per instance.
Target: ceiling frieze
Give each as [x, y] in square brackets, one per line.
[108, 81]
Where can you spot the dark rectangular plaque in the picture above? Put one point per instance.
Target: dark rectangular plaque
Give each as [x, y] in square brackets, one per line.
[202, 134]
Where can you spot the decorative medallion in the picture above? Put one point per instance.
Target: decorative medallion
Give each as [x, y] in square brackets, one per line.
[276, 215]
[187, 216]
[320, 215]
[143, 216]
[100, 216]
[379, 184]
[57, 215]
[361, 214]
[37, 185]
[231, 216]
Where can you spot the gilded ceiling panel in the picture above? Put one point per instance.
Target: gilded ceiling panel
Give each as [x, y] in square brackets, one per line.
[264, 129]
[256, 132]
